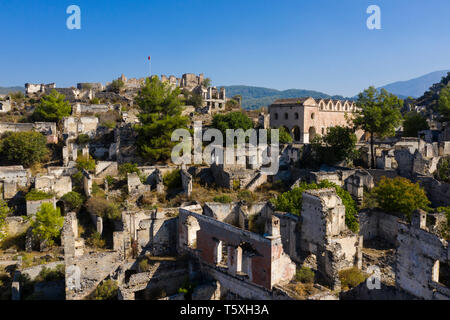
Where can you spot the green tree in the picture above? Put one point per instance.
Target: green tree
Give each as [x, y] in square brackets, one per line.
[206, 82]
[26, 148]
[116, 86]
[52, 108]
[400, 195]
[233, 120]
[444, 103]
[86, 162]
[126, 168]
[47, 223]
[4, 212]
[283, 135]
[413, 123]
[160, 116]
[72, 200]
[292, 200]
[378, 113]
[337, 145]
[103, 208]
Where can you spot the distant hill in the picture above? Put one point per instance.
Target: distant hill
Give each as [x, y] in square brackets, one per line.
[431, 96]
[6, 90]
[415, 87]
[257, 97]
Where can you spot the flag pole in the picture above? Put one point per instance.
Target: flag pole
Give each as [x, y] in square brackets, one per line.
[150, 67]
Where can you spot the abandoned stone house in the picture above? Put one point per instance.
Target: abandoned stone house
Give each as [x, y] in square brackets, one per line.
[303, 118]
[5, 105]
[31, 88]
[48, 129]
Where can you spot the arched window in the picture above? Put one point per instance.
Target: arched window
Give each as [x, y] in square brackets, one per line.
[296, 115]
[286, 116]
[312, 115]
[276, 116]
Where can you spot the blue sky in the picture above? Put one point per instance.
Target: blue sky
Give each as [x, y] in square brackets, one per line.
[305, 44]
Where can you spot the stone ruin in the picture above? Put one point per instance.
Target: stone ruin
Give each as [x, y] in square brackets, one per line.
[244, 263]
[320, 236]
[423, 261]
[48, 129]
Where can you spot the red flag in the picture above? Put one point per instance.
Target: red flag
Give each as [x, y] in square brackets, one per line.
[148, 58]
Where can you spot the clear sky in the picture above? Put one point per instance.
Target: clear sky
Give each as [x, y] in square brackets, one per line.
[304, 44]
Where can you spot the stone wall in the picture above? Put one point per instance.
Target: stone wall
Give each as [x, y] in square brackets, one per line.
[420, 256]
[376, 224]
[59, 185]
[34, 206]
[251, 257]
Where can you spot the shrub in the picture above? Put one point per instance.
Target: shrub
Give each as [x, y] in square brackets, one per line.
[223, 199]
[103, 208]
[95, 240]
[26, 148]
[350, 278]
[95, 100]
[4, 212]
[144, 265]
[245, 195]
[86, 162]
[48, 274]
[35, 195]
[172, 180]
[126, 168]
[73, 200]
[47, 223]
[400, 195]
[83, 139]
[107, 290]
[305, 275]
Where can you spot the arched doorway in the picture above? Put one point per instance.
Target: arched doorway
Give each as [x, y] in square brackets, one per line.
[312, 133]
[296, 133]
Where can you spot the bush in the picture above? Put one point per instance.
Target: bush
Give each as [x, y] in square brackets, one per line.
[351, 278]
[144, 265]
[86, 162]
[35, 195]
[305, 275]
[48, 274]
[245, 195]
[103, 208]
[95, 240]
[172, 180]
[400, 195]
[107, 290]
[291, 201]
[126, 168]
[47, 223]
[83, 139]
[4, 212]
[73, 200]
[223, 199]
[26, 148]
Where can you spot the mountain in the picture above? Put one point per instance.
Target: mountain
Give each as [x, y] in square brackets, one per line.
[417, 86]
[257, 97]
[6, 90]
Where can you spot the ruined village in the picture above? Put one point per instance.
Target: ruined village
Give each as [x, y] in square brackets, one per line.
[93, 208]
